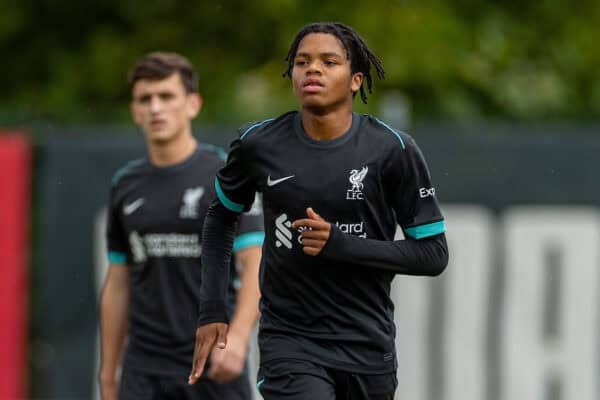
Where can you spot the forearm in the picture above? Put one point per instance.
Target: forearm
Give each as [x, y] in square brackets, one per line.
[114, 306]
[246, 311]
[427, 256]
[217, 242]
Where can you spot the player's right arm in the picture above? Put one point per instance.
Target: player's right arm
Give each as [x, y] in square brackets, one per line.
[235, 194]
[114, 298]
[114, 303]
[217, 243]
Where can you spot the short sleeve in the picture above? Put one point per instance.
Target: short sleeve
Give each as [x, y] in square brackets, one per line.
[412, 193]
[116, 239]
[233, 184]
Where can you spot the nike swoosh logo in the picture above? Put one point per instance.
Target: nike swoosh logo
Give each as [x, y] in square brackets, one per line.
[274, 182]
[131, 207]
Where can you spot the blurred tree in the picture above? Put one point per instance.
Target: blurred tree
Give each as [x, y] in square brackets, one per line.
[468, 59]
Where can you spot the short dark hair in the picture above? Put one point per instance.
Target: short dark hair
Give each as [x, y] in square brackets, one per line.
[361, 57]
[160, 65]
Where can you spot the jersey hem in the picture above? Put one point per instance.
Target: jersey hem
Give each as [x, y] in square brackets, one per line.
[352, 368]
[158, 371]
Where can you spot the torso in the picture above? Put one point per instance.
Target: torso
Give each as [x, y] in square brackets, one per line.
[159, 213]
[339, 315]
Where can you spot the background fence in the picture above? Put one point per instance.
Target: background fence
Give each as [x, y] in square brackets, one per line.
[513, 317]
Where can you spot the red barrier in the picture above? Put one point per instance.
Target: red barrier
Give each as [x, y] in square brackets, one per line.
[15, 179]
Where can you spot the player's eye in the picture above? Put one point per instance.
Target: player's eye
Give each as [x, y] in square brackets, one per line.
[166, 96]
[145, 99]
[300, 63]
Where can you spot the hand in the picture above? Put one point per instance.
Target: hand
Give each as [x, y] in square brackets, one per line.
[207, 337]
[316, 236]
[227, 364]
[108, 386]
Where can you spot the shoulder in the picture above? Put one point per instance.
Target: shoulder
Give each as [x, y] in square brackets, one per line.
[259, 129]
[207, 160]
[387, 134]
[129, 170]
[210, 152]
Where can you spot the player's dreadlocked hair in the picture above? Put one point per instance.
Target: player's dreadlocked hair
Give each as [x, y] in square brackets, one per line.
[361, 57]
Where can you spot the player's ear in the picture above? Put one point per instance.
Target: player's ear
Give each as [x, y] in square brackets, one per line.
[134, 115]
[357, 80]
[194, 104]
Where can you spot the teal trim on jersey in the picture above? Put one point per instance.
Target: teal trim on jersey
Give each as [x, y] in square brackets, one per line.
[231, 205]
[248, 240]
[217, 150]
[123, 170]
[222, 153]
[393, 131]
[259, 383]
[114, 257]
[254, 126]
[423, 231]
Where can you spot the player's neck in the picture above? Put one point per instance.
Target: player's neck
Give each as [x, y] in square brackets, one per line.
[172, 152]
[327, 126]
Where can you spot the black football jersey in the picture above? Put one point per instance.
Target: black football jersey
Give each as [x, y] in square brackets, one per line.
[365, 182]
[155, 224]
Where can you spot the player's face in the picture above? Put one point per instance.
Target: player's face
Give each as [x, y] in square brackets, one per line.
[163, 108]
[321, 75]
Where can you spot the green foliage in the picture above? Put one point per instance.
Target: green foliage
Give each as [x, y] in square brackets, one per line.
[467, 59]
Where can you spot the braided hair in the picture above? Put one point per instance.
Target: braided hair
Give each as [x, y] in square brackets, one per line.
[361, 57]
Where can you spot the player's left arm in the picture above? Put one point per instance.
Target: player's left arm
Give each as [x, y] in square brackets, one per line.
[424, 252]
[246, 312]
[426, 256]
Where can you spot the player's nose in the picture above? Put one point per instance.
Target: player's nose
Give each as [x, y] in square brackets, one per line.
[313, 67]
[155, 104]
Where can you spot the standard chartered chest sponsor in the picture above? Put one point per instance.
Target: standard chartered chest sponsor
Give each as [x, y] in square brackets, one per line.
[354, 229]
[164, 245]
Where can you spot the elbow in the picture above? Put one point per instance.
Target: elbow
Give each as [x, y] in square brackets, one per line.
[440, 265]
[440, 258]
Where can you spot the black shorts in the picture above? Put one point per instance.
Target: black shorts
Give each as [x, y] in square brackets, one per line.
[137, 385]
[303, 380]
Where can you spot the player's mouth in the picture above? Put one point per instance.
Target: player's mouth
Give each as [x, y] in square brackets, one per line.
[158, 123]
[312, 86]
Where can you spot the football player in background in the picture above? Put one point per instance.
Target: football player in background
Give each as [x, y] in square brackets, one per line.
[154, 236]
